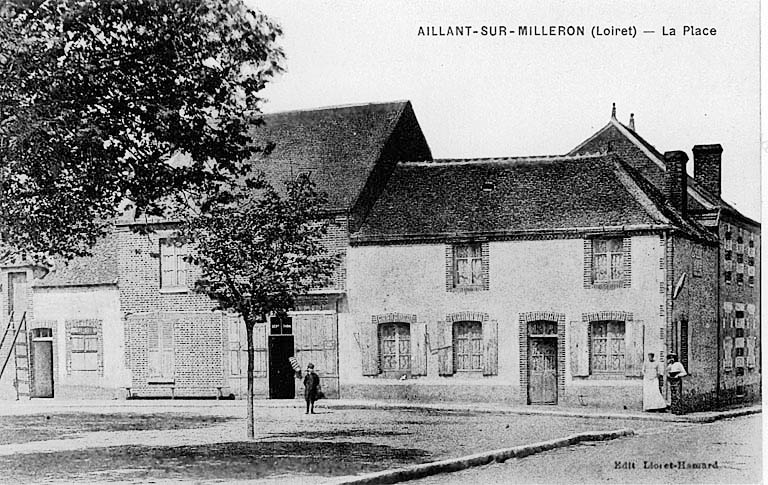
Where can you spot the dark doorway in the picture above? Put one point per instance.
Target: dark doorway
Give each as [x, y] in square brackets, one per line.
[281, 385]
[42, 383]
[542, 371]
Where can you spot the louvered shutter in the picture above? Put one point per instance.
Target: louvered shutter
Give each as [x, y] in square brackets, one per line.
[259, 350]
[419, 349]
[490, 348]
[444, 332]
[154, 354]
[579, 340]
[166, 347]
[634, 347]
[369, 348]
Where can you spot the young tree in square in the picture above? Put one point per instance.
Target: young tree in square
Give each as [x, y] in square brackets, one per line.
[257, 249]
[104, 103]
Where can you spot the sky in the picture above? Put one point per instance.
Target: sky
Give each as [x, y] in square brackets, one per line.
[481, 96]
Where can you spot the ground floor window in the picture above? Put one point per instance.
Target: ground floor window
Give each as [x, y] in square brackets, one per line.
[607, 347]
[395, 347]
[468, 346]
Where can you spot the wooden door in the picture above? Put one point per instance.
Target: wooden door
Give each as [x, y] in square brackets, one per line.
[542, 371]
[317, 342]
[42, 383]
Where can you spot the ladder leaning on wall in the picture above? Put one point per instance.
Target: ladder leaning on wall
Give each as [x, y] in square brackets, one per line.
[20, 349]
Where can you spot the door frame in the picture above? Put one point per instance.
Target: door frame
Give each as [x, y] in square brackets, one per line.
[524, 320]
[34, 363]
[549, 339]
[272, 360]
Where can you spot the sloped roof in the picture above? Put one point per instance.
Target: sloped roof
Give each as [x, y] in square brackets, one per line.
[339, 146]
[509, 196]
[100, 268]
[699, 200]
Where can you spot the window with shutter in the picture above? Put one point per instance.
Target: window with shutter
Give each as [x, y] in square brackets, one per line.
[395, 347]
[160, 350]
[607, 347]
[468, 347]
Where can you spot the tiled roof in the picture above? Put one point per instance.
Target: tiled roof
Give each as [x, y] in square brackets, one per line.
[511, 195]
[338, 146]
[100, 268]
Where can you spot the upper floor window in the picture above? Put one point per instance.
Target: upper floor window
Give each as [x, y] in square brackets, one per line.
[173, 267]
[698, 263]
[607, 262]
[467, 266]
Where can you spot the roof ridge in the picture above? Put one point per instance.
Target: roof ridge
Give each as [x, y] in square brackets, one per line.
[526, 158]
[335, 106]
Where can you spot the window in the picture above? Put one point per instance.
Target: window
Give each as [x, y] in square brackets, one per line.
[468, 346]
[608, 260]
[395, 343]
[173, 267]
[160, 351]
[467, 265]
[727, 276]
[84, 349]
[607, 347]
[728, 256]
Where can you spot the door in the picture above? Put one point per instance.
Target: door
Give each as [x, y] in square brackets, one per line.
[317, 342]
[281, 380]
[42, 382]
[542, 370]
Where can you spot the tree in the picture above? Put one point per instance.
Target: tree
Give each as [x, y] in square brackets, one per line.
[103, 102]
[258, 249]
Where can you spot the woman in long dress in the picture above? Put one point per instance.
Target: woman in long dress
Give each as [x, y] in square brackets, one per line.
[652, 398]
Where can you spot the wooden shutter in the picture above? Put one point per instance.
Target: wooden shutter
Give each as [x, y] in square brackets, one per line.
[419, 349]
[579, 339]
[634, 347]
[259, 350]
[154, 355]
[166, 347]
[444, 331]
[369, 348]
[490, 348]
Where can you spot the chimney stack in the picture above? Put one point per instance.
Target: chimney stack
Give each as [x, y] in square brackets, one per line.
[676, 180]
[706, 167]
[632, 121]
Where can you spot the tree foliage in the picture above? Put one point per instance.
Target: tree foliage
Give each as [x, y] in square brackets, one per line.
[103, 102]
[257, 249]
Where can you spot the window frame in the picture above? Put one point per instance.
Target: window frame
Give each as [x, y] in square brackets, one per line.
[608, 339]
[398, 344]
[476, 251]
[178, 252]
[79, 337]
[474, 342]
[592, 254]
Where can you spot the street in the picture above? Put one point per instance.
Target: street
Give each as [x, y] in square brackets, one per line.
[734, 445]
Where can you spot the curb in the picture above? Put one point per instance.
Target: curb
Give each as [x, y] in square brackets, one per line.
[455, 464]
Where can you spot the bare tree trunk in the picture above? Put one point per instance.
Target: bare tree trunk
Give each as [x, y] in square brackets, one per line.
[249, 337]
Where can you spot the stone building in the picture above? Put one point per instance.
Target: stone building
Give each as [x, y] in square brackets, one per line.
[523, 280]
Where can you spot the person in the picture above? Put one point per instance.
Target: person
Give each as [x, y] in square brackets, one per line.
[311, 387]
[652, 398]
[675, 373]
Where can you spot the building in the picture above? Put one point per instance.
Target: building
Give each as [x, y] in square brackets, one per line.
[524, 280]
[737, 330]
[126, 320]
[531, 280]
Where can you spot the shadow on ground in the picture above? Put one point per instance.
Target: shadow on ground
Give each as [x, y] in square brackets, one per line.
[224, 461]
[335, 434]
[41, 427]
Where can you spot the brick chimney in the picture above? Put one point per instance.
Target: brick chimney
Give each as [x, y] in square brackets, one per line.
[706, 167]
[676, 180]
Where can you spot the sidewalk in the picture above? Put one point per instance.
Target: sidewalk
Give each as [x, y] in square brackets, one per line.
[237, 408]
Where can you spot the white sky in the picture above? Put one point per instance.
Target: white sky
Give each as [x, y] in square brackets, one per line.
[484, 96]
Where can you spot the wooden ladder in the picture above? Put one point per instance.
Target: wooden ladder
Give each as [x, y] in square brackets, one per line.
[20, 348]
